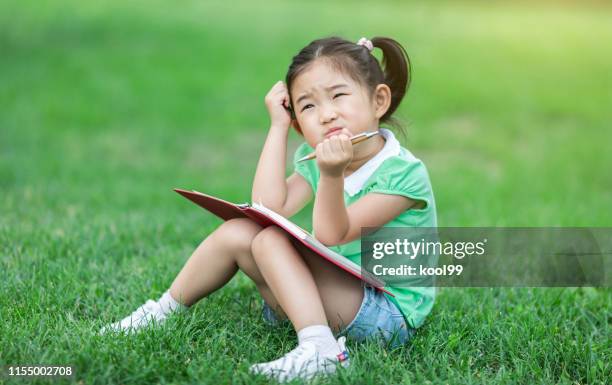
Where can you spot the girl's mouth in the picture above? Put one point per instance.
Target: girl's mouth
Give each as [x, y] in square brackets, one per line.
[332, 131]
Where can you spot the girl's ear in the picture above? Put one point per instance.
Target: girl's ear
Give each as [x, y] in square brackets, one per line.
[297, 127]
[381, 99]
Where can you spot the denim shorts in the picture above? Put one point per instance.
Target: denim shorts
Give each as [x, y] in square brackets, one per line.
[378, 318]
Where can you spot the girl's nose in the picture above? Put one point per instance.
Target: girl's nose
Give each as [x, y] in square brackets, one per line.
[327, 113]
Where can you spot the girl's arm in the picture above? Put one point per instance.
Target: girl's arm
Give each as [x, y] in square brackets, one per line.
[334, 223]
[285, 196]
[270, 188]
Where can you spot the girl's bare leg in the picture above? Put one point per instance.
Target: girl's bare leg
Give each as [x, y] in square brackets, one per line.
[217, 259]
[310, 290]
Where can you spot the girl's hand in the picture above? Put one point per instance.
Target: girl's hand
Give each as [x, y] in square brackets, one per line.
[277, 102]
[334, 154]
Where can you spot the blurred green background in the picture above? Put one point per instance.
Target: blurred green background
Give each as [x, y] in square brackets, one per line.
[107, 106]
[111, 105]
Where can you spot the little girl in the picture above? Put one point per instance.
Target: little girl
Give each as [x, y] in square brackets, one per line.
[334, 89]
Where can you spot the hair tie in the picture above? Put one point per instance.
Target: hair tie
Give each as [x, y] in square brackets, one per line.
[366, 43]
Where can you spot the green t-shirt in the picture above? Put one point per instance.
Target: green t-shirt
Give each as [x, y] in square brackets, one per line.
[400, 174]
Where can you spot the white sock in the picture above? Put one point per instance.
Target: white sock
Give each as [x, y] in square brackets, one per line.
[323, 338]
[169, 305]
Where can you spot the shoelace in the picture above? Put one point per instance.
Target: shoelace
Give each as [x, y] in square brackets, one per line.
[299, 351]
[296, 353]
[147, 308]
[291, 358]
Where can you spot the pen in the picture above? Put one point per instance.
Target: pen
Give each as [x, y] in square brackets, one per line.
[354, 140]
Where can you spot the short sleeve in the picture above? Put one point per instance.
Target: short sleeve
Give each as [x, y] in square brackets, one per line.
[307, 169]
[408, 178]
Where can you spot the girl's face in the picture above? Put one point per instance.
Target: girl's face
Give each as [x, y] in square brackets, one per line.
[325, 101]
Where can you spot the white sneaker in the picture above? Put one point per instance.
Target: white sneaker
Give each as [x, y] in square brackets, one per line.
[148, 314]
[304, 362]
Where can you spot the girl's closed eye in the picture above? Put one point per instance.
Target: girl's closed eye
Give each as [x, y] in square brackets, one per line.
[335, 96]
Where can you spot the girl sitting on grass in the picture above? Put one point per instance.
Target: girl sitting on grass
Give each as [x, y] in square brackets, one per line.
[336, 89]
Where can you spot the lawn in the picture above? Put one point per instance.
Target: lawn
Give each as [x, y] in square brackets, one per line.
[105, 107]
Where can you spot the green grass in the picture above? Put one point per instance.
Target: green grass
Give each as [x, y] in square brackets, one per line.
[106, 108]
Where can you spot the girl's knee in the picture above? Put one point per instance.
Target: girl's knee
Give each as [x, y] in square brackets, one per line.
[265, 238]
[242, 226]
[238, 232]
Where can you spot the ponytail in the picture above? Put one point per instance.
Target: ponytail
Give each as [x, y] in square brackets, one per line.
[396, 69]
